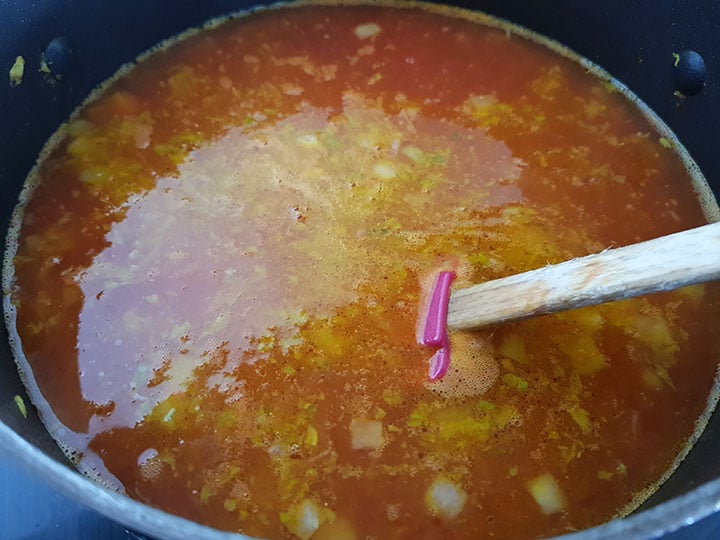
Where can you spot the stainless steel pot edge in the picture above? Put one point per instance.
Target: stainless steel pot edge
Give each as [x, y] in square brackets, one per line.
[115, 506]
[665, 518]
[660, 520]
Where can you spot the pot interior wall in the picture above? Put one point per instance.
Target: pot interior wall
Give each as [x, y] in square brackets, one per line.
[633, 41]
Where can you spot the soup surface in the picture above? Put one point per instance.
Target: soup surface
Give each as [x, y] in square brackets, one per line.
[216, 269]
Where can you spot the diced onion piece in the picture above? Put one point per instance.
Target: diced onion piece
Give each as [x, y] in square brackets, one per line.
[142, 135]
[414, 153]
[445, 499]
[367, 30]
[308, 141]
[303, 519]
[385, 170]
[366, 434]
[546, 493]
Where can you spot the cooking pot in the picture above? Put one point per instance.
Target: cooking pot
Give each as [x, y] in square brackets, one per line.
[85, 41]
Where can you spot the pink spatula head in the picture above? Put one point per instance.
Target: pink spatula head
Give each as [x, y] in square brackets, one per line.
[434, 329]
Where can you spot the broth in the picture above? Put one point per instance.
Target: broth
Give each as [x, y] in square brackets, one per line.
[214, 273]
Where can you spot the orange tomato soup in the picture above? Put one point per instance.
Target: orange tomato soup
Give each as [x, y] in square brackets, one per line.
[220, 259]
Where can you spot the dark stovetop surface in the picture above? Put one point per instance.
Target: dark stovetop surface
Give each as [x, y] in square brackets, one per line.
[32, 510]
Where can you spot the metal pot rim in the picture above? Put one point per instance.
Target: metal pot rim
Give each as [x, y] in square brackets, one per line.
[662, 519]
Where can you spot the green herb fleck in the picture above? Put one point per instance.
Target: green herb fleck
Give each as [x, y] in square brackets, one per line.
[44, 67]
[479, 259]
[581, 418]
[609, 87]
[288, 370]
[392, 397]
[17, 71]
[311, 436]
[515, 382]
[226, 420]
[420, 416]
[21, 405]
[485, 406]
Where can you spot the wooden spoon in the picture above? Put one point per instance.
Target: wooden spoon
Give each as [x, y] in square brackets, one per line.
[662, 264]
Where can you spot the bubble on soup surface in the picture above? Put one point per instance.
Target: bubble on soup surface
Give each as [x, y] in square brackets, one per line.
[150, 466]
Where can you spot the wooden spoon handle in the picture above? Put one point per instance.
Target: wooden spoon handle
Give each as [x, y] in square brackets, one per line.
[662, 264]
